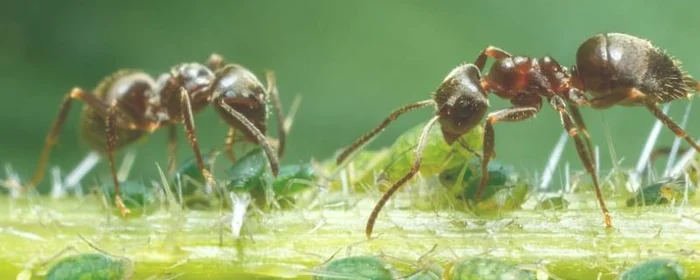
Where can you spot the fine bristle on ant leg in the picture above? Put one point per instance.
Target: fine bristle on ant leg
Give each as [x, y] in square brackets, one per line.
[130, 104]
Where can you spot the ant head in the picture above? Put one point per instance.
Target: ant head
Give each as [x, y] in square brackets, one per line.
[461, 102]
[240, 90]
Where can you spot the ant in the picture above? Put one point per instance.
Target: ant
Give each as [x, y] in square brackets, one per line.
[130, 104]
[614, 68]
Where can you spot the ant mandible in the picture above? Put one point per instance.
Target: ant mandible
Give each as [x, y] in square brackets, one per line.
[130, 104]
[614, 68]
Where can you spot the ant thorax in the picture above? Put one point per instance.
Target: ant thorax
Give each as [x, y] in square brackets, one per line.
[165, 102]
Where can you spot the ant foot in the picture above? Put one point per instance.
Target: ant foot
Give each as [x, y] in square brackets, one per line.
[123, 210]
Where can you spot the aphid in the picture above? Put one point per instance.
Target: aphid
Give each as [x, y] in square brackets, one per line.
[504, 191]
[661, 192]
[461, 103]
[481, 268]
[250, 174]
[130, 104]
[656, 269]
[553, 203]
[138, 197]
[360, 267]
[91, 266]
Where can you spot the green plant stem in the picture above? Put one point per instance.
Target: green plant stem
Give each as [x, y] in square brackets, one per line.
[572, 244]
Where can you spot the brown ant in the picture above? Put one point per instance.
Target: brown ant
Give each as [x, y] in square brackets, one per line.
[613, 68]
[130, 104]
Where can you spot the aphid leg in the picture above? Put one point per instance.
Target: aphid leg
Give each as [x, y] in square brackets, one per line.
[51, 138]
[172, 149]
[513, 114]
[414, 169]
[490, 51]
[583, 153]
[578, 120]
[111, 143]
[671, 125]
[272, 158]
[466, 147]
[188, 120]
[277, 107]
[230, 139]
[368, 136]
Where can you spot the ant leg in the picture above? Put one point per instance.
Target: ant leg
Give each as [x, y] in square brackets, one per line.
[490, 51]
[368, 136]
[111, 143]
[272, 158]
[578, 120]
[51, 138]
[513, 114]
[188, 120]
[277, 107]
[671, 125]
[583, 153]
[172, 149]
[230, 139]
[414, 169]
[57, 127]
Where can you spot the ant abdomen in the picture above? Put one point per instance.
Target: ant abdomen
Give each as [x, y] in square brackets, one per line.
[131, 90]
[461, 102]
[614, 63]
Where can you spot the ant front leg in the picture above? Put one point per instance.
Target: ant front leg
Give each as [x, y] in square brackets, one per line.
[111, 143]
[513, 114]
[490, 51]
[230, 139]
[414, 169]
[277, 106]
[583, 153]
[188, 120]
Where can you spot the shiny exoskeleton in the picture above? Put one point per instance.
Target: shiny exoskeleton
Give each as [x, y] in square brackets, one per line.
[130, 104]
[612, 68]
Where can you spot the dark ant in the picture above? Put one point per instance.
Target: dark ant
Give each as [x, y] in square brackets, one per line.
[613, 68]
[130, 104]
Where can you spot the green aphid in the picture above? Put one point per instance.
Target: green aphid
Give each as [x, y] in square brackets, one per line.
[250, 174]
[425, 274]
[190, 176]
[438, 155]
[503, 189]
[661, 193]
[294, 178]
[360, 267]
[553, 203]
[656, 269]
[487, 269]
[92, 266]
[138, 197]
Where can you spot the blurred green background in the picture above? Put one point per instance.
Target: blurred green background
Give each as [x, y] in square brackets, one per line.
[352, 61]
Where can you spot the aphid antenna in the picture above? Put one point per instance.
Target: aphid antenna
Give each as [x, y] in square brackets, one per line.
[677, 141]
[239, 205]
[93, 246]
[74, 177]
[642, 163]
[125, 167]
[553, 161]
[57, 190]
